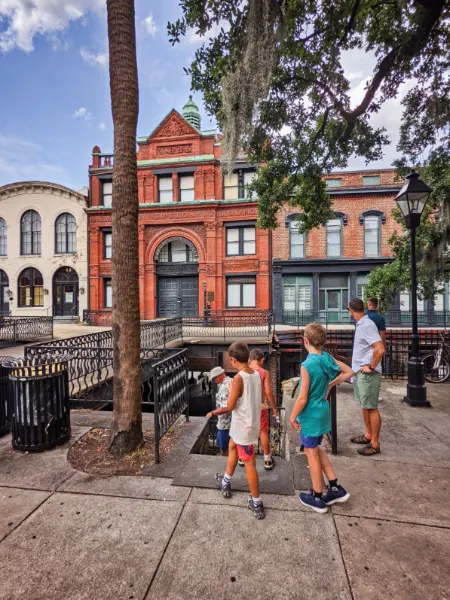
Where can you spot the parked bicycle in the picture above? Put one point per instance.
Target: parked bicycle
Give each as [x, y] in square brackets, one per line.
[437, 365]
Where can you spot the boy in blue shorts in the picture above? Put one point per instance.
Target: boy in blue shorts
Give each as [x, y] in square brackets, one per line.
[320, 372]
[223, 383]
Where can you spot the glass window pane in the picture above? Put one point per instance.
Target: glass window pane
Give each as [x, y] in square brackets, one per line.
[404, 301]
[108, 245]
[289, 297]
[304, 297]
[249, 247]
[249, 294]
[187, 182]
[333, 183]
[165, 183]
[107, 187]
[166, 197]
[232, 235]
[371, 180]
[108, 294]
[249, 176]
[231, 186]
[439, 302]
[249, 233]
[178, 251]
[187, 195]
[164, 254]
[233, 248]
[234, 295]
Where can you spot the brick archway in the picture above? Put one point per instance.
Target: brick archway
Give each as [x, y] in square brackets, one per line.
[193, 240]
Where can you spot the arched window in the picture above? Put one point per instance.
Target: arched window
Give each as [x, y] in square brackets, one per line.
[30, 233]
[31, 288]
[3, 237]
[372, 235]
[334, 237]
[176, 250]
[65, 234]
[296, 239]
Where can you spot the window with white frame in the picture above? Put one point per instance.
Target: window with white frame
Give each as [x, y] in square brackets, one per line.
[186, 188]
[335, 182]
[297, 241]
[371, 180]
[107, 194]
[372, 235]
[241, 240]
[107, 245]
[3, 237]
[231, 186]
[241, 292]
[107, 292]
[165, 189]
[249, 177]
[334, 237]
[405, 303]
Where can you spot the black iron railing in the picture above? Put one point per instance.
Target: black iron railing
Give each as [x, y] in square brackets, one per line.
[25, 329]
[340, 344]
[230, 324]
[394, 318]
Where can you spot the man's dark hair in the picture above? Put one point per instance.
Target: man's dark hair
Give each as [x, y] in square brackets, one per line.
[357, 305]
[373, 302]
[256, 354]
[239, 351]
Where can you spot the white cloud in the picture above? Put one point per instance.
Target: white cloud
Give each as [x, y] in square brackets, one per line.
[24, 20]
[192, 37]
[150, 25]
[83, 113]
[102, 126]
[99, 60]
[21, 159]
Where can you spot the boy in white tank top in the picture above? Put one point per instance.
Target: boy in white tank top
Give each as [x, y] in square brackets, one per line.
[244, 403]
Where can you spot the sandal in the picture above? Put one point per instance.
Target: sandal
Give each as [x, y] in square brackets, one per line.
[360, 439]
[369, 450]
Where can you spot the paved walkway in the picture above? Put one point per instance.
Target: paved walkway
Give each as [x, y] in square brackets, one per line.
[70, 536]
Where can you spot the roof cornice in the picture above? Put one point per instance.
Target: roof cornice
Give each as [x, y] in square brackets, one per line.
[39, 187]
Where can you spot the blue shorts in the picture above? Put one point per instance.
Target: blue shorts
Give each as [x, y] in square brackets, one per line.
[223, 439]
[311, 442]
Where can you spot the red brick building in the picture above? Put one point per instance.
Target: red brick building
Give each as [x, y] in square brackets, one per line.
[197, 229]
[314, 275]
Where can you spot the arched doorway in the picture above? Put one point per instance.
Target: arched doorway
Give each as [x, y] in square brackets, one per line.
[177, 270]
[4, 298]
[65, 292]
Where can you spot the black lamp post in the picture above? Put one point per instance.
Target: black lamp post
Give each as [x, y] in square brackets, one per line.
[411, 201]
[206, 307]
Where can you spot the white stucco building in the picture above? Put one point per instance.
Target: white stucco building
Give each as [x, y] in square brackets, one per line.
[43, 250]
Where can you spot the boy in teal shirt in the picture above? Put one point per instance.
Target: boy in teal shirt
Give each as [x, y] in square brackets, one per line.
[311, 414]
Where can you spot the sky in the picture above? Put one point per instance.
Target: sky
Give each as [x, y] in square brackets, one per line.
[54, 101]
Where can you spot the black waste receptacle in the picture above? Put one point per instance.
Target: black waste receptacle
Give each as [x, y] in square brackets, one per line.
[41, 415]
[5, 395]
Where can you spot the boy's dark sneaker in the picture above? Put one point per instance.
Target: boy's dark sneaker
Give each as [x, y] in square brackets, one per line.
[336, 494]
[225, 488]
[257, 509]
[317, 504]
[269, 464]
[241, 462]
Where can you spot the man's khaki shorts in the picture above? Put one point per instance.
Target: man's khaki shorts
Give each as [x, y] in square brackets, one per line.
[367, 389]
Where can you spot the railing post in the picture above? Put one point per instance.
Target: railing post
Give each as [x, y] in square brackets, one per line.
[156, 413]
[164, 334]
[333, 411]
[187, 387]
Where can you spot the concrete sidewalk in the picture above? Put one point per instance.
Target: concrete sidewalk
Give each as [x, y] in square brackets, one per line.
[71, 536]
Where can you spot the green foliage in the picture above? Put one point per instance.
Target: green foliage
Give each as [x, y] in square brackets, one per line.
[302, 123]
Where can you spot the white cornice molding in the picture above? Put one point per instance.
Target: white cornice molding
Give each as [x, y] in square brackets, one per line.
[40, 187]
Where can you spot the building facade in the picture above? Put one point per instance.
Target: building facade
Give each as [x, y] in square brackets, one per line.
[315, 274]
[197, 229]
[43, 250]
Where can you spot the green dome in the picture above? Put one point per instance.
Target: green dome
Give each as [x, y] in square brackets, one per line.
[191, 113]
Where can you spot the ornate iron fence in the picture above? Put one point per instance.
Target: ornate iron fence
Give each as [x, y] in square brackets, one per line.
[164, 379]
[340, 344]
[394, 318]
[25, 329]
[229, 324]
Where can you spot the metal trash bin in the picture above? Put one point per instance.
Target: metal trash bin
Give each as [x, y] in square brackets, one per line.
[5, 396]
[41, 414]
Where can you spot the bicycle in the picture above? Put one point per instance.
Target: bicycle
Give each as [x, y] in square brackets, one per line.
[437, 365]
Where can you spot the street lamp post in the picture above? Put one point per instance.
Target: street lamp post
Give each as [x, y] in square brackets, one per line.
[206, 307]
[411, 201]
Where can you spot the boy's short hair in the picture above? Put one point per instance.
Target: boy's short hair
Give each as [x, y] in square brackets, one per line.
[239, 351]
[357, 305]
[373, 301]
[256, 354]
[316, 335]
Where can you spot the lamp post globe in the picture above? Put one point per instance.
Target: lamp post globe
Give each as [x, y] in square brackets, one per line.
[411, 201]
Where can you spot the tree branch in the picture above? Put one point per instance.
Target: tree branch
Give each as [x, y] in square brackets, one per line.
[350, 23]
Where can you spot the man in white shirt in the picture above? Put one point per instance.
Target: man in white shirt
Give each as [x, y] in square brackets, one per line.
[368, 350]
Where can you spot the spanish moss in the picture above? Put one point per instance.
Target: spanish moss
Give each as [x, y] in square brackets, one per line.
[249, 82]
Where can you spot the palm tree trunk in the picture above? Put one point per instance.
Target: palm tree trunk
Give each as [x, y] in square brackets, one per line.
[126, 429]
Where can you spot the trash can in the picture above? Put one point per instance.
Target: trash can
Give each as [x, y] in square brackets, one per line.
[41, 415]
[5, 395]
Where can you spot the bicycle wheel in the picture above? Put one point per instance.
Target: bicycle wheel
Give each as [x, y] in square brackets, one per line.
[434, 374]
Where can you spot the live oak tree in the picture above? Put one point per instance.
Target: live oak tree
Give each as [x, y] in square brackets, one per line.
[126, 429]
[271, 72]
